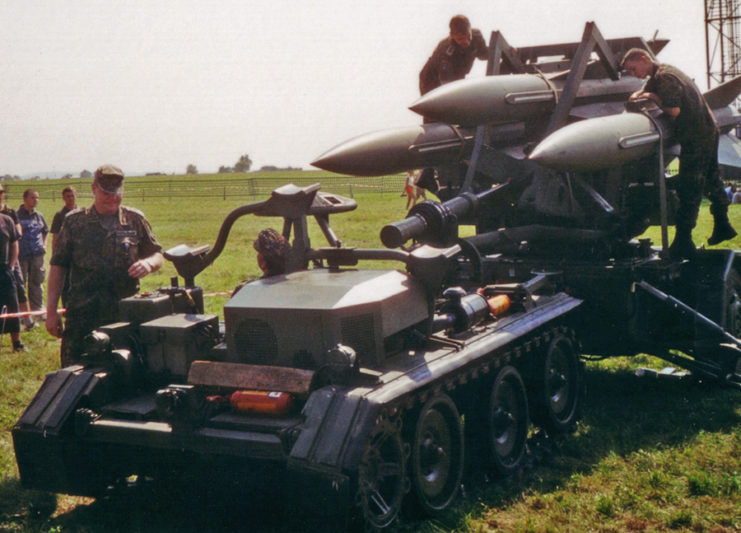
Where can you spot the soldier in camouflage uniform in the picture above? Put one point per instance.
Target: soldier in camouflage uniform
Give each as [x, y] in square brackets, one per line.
[451, 60]
[697, 132]
[453, 57]
[106, 248]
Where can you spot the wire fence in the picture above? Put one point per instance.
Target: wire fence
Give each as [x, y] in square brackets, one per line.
[218, 186]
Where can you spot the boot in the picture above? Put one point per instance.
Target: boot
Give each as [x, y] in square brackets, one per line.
[722, 229]
[682, 246]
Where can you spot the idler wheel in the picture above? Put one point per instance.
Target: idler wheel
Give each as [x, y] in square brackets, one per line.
[382, 476]
[508, 420]
[437, 455]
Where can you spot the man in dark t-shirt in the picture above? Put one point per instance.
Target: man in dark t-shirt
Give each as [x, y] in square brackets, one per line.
[697, 133]
[69, 195]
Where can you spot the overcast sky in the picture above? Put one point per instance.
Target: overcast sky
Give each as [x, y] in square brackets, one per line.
[153, 85]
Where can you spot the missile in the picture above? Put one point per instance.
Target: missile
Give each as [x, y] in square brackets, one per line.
[602, 142]
[598, 143]
[397, 150]
[514, 97]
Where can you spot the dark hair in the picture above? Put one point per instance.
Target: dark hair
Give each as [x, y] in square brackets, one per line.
[29, 192]
[69, 188]
[274, 249]
[460, 24]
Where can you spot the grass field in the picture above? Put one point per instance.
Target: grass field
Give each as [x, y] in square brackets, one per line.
[647, 456]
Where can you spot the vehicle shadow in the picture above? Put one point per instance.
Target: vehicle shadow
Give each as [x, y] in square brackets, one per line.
[622, 414]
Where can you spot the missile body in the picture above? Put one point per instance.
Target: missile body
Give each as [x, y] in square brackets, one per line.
[598, 143]
[515, 97]
[397, 150]
[603, 142]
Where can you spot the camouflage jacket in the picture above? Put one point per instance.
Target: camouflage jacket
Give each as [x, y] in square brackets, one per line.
[98, 257]
[695, 127]
[450, 62]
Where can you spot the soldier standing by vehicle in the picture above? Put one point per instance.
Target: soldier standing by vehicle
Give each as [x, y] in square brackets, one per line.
[452, 60]
[697, 132]
[106, 248]
[453, 57]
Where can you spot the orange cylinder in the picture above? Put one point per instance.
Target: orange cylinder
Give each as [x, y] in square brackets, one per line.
[499, 304]
[264, 402]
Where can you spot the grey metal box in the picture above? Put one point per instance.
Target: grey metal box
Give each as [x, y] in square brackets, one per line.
[173, 342]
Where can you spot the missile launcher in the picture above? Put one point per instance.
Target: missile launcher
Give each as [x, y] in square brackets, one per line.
[365, 392]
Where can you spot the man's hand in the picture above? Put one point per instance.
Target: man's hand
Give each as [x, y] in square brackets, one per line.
[638, 95]
[140, 269]
[53, 323]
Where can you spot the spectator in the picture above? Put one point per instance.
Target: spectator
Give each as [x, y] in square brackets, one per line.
[15, 333]
[410, 189]
[20, 283]
[33, 248]
[69, 196]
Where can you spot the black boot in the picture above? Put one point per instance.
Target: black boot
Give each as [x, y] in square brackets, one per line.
[682, 246]
[722, 229]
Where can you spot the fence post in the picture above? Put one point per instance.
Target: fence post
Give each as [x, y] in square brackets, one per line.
[224, 192]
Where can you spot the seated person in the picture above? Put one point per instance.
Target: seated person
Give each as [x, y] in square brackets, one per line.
[272, 253]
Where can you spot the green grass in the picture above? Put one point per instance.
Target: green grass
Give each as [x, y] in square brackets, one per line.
[647, 456]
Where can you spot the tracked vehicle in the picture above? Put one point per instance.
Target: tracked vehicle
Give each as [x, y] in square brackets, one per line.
[378, 387]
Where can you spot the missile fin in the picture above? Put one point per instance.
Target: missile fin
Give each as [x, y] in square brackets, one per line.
[724, 94]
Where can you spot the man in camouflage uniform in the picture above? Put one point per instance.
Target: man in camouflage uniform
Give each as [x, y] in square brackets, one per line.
[697, 132]
[453, 57]
[452, 60]
[106, 248]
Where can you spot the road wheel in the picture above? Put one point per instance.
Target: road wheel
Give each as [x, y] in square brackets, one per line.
[508, 420]
[437, 454]
[559, 387]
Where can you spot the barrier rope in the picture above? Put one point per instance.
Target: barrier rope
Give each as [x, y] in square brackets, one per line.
[24, 314]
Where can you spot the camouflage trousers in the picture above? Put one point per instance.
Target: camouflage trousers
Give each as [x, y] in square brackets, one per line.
[698, 174]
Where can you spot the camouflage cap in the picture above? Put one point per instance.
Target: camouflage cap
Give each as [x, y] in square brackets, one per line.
[270, 243]
[109, 178]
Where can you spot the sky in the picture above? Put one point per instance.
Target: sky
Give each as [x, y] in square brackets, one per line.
[155, 85]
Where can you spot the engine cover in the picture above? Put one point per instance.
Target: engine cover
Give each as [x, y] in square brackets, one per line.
[293, 320]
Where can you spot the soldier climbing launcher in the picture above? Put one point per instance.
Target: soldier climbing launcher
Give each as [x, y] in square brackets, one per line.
[358, 380]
